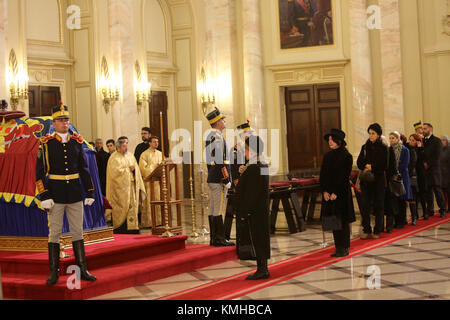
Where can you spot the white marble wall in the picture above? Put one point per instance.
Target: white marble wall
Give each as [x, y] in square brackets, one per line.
[392, 67]
[3, 49]
[253, 64]
[363, 112]
[121, 42]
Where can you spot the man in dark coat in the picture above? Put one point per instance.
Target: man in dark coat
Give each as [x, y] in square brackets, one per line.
[253, 205]
[146, 133]
[432, 153]
[102, 161]
[445, 167]
[335, 185]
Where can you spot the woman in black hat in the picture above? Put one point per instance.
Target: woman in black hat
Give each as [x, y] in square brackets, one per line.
[335, 185]
[373, 161]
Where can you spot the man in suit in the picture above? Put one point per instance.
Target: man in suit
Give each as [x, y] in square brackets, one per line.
[432, 155]
[219, 178]
[59, 167]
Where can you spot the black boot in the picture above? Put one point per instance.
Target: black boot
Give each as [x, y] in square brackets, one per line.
[262, 272]
[212, 230]
[219, 239]
[340, 252]
[414, 213]
[80, 258]
[53, 260]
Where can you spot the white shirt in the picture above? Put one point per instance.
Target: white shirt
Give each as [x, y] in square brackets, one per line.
[64, 136]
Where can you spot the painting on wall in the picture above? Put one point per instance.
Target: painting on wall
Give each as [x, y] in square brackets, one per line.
[305, 23]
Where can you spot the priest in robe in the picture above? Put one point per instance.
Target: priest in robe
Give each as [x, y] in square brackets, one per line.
[124, 189]
[148, 162]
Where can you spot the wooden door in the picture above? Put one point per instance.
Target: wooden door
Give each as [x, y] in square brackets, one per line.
[157, 105]
[311, 111]
[42, 100]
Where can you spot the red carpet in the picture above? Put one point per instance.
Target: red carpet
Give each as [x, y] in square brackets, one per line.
[235, 286]
[128, 261]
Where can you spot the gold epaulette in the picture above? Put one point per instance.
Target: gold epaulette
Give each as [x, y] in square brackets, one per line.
[47, 138]
[77, 137]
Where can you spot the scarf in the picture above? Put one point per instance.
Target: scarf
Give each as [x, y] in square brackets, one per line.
[397, 151]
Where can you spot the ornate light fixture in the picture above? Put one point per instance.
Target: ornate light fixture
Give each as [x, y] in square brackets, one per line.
[17, 81]
[109, 86]
[207, 96]
[143, 88]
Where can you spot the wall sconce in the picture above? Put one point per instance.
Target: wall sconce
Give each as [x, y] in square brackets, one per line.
[109, 86]
[207, 96]
[143, 88]
[17, 81]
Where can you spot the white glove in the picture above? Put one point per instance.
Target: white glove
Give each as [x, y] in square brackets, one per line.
[47, 204]
[88, 201]
[228, 185]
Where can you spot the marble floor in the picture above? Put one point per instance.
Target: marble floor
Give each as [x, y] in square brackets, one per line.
[417, 267]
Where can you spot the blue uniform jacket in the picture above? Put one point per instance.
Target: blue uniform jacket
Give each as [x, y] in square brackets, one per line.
[217, 159]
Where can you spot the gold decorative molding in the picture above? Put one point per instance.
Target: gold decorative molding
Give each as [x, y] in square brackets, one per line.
[40, 244]
[41, 61]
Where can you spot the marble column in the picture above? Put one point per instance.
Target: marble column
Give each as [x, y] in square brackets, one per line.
[391, 67]
[253, 64]
[3, 50]
[363, 109]
[220, 34]
[125, 116]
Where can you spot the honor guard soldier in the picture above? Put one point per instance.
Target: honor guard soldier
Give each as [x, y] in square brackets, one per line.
[419, 128]
[61, 168]
[219, 178]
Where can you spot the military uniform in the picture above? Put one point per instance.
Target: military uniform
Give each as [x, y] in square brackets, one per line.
[219, 180]
[59, 168]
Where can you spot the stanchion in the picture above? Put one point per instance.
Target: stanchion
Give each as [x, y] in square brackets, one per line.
[167, 233]
[203, 229]
[193, 234]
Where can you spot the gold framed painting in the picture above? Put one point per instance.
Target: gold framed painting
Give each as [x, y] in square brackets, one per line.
[305, 23]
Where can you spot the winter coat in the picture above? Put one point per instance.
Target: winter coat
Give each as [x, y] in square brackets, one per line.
[335, 178]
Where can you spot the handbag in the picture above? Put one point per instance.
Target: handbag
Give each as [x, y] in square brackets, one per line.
[244, 244]
[330, 220]
[396, 186]
[367, 176]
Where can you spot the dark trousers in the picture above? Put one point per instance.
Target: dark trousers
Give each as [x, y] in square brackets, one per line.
[373, 195]
[437, 191]
[123, 229]
[399, 210]
[342, 237]
[419, 197]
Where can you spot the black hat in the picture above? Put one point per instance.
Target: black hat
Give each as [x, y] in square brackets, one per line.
[244, 127]
[214, 116]
[338, 133]
[60, 112]
[418, 125]
[376, 127]
[4, 105]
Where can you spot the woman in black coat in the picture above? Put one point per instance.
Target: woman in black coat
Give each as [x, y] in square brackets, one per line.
[416, 142]
[373, 158]
[335, 185]
[252, 200]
